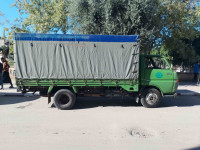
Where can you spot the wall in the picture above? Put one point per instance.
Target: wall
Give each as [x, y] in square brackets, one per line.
[1, 42]
[185, 77]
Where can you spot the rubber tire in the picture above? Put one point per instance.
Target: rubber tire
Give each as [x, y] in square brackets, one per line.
[69, 104]
[144, 98]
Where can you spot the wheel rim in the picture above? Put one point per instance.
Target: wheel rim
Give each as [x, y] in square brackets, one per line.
[64, 99]
[151, 98]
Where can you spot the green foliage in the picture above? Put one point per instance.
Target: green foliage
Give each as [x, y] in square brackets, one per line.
[162, 51]
[1, 14]
[3, 20]
[6, 49]
[11, 61]
[17, 27]
[196, 45]
[60, 15]
[166, 27]
[180, 22]
[45, 15]
[164, 24]
[118, 17]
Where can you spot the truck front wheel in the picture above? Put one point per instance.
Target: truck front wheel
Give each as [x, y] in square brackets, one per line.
[151, 98]
[64, 99]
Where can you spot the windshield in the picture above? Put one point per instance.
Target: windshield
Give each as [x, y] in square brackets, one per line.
[156, 63]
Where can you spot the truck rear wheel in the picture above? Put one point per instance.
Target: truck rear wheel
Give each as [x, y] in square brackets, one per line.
[151, 98]
[64, 99]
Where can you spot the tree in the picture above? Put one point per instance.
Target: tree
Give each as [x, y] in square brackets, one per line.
[164, 26]
[44, 15]
[61, 14]
[162, 50]
[196, 45]
[5, 49]
[118, 17]
[160, 23]
[3, 20]
[1, 14]
[180, 27]
[17, 27]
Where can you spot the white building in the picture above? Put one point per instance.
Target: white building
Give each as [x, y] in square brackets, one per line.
[1, 42]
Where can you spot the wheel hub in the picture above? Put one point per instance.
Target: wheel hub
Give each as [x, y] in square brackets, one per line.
[151, 98]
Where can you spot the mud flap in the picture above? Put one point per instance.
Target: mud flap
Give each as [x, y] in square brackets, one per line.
[49, 98]
[137, 99]
[49, 93]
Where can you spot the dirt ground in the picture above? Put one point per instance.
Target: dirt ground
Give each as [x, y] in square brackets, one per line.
[28, 123]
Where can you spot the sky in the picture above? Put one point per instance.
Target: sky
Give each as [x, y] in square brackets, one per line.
[9, 13]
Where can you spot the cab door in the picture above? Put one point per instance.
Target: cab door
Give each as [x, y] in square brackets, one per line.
[158, 73]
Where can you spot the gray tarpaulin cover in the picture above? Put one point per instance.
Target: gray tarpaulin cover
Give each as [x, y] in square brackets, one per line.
[56, 56]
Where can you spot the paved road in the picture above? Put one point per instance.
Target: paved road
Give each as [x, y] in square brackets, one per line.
[98, 123]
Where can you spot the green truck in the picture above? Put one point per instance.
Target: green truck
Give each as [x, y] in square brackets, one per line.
[64, 66]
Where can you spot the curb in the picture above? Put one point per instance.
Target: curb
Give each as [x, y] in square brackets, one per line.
[11, 94]
[19, 94]
[189, 94]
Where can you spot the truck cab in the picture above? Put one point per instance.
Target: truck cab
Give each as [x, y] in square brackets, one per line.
[157, 78]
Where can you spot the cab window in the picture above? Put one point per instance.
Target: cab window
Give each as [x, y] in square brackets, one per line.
[156, 63]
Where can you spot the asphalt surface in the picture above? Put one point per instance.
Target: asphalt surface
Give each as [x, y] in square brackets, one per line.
[99, 123]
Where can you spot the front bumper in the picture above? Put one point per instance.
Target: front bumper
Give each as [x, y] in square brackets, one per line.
[173, 95]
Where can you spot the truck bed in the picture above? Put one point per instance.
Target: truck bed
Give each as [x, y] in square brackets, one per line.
[76, 57]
